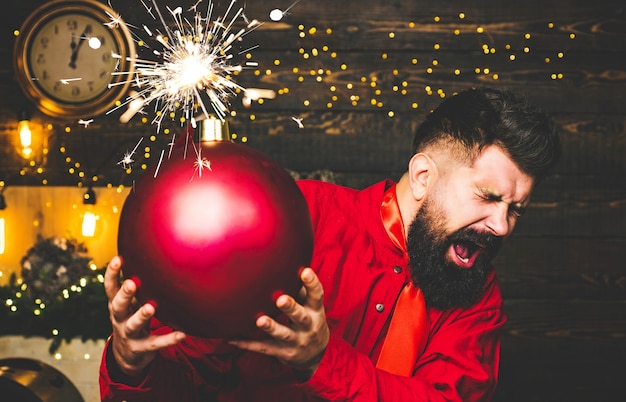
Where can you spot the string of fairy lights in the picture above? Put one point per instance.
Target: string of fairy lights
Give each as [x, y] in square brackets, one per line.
[319, 64]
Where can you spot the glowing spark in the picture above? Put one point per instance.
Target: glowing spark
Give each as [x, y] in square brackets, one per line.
[254, 94]
[200, 162]
[194, 66]
[66, 81]
[85, 123]
[116, 20]
[278, 14]
[298, 120]
[156, 171]
[194, 8]
[127, 160]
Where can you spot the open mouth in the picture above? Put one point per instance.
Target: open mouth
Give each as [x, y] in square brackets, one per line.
[464, 253]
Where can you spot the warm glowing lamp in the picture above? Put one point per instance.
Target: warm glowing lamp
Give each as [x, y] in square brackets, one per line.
[89, 218]
[26, 135]
[3, 205]
[89, 224]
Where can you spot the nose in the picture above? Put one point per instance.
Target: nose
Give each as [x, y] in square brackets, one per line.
[498, 220]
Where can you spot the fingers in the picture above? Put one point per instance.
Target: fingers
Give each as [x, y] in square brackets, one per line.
[137, 324]
[112, 277]
[314, 289]
[120, 306]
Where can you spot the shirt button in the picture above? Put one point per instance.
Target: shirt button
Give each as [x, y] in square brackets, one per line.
[397, 269]
[380, 307]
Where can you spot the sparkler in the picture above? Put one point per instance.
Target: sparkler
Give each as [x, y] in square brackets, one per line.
[195, 63]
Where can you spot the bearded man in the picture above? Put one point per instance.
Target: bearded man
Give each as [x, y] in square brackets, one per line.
[401, 302]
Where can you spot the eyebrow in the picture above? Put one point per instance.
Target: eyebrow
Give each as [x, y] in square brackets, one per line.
[516, 207]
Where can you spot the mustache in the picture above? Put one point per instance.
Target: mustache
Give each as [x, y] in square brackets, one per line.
[485, 240]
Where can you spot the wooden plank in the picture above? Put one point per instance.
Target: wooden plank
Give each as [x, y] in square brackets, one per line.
[563, 351]
[562, 268]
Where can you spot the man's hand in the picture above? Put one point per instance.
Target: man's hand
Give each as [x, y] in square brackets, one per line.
[132, 344]
[302, 343]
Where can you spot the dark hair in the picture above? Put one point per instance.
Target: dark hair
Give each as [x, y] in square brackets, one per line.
[477, 118]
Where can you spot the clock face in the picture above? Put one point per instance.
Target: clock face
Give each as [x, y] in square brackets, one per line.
[71, 58]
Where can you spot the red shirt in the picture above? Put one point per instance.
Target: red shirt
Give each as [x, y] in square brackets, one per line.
[362, 273]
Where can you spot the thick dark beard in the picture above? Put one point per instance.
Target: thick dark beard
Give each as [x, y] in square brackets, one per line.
[444, 284]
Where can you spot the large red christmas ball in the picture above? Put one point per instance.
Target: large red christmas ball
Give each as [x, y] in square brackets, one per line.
[213, 235]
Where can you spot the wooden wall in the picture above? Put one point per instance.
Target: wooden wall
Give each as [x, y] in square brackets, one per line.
[563, 272]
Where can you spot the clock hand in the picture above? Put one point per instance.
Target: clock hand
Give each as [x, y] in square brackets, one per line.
[76, 47]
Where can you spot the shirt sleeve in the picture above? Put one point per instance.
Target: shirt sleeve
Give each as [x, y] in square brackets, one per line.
[460, 363]
[173, 375]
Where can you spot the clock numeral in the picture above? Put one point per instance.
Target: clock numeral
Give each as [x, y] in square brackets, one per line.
[90, 85]
[57, 86]
[44, 42]
[102, 73]
[41, 59]
[44, 75]
[106, 57]
[72, 25]
[75, 91]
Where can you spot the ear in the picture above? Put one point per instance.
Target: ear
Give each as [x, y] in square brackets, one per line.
[422, 171]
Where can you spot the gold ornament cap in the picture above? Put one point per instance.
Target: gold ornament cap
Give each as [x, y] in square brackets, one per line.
[212, 129]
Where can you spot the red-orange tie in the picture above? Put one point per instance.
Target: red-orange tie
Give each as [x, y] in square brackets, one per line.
[408, 329]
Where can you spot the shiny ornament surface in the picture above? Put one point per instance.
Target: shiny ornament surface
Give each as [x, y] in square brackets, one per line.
[215, 237]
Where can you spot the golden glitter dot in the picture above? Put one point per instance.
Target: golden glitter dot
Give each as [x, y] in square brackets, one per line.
[301, 79]
[572, 35]
[512, 57]
[277, 62]
[318, 78]
[411, 24]
[268, 72]
[68, 129]
[325, 48]
[349, 86]
[480, 30]
[526, 50]
[429, 70]
[437, 19]
[457, 32]
[390, 113]
[461, 15]
[329, 31]
[404, 92]
[333, 55]
[486, 70]
[550, 25]
[306, 102]
[553, 76]
[300, 27]
[496, 77]
[252, 117]
[560, 55]
[378, 92]
[414, 61]
[457, 72]
[547, 60]
[305, 56]
[507, 46]
[329, 105]
[312, 30]
[383, 56]
[16, 32]
[344, 67]
[527, 36]
[435, 62]
[302, 34]
[295, 70]
[392, 35]
[314, 52]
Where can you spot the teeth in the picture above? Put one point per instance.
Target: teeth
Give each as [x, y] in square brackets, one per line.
[465, 260]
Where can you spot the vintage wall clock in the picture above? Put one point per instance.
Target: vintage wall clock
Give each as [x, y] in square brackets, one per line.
[64, 58]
